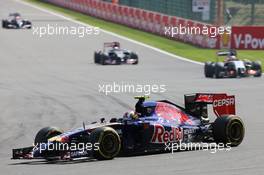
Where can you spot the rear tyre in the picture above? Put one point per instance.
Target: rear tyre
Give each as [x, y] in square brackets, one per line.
[228, 130]
[108, 141]
[46, 133]
[219, 70]
[96, 57]
[3, 23]
[208, 70]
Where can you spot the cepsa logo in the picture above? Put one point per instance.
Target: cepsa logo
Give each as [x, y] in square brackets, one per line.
[224, 102]
[161, 135]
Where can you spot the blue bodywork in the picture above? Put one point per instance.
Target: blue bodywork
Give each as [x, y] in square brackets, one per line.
[162, 123]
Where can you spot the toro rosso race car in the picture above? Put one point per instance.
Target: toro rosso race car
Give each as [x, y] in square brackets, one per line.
[232, 67]
[112, 54]
[15, 21]
[152, 126]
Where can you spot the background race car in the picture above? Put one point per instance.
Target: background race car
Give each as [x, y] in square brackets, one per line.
[15, 21]
[159, 124]
[112, 54]
[232, 67]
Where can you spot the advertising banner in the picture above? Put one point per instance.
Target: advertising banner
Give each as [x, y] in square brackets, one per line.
[247, 37]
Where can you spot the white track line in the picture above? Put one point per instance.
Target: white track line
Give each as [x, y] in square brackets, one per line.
[107, 32]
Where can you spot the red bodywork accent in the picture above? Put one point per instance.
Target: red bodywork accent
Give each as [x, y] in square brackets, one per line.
[222, 103]
[206, 98]
[170, 112]
[160, 135]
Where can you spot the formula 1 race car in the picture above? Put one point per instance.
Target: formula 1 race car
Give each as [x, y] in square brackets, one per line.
[112, 54]
[159, 124]
[232, 67]
[15, 21]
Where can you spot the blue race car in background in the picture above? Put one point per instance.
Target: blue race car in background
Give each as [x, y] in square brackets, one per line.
[149, 129]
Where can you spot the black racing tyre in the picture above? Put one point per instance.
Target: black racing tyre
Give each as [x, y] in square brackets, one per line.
[28, 23]
[3, 23]
[96, 57]
[228, 130]
[135, 63]
[231, 67]
[109, 143]
[46, 133]
[219, 70]
[118, 61]
[102, 60]
[208, 70]
[257, 67]
[134, 56]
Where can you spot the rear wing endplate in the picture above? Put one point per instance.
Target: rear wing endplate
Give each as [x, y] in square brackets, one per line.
[223, 104]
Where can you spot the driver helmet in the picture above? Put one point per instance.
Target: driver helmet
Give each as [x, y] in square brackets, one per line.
[231, 58]
[132, 115]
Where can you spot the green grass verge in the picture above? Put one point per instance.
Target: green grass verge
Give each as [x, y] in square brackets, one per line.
[174, 47]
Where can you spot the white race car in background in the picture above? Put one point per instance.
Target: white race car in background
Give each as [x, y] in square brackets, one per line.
[232, 67]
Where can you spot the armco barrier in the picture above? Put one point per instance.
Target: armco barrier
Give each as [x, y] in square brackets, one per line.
[140, 19]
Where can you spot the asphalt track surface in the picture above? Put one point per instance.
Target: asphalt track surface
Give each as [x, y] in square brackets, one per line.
[53, 81]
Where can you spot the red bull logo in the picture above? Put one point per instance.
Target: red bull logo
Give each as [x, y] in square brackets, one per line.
[160, 135]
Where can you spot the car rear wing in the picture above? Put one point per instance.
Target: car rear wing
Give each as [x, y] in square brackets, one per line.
[111, 45]
[222, 103]
[227, 53]
[14, 14]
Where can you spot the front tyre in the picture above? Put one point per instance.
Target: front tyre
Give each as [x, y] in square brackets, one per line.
[257, 67]
[96, 57]
[108, 142]
[136, 62]
[135, 56]
[30, 24]
[46, 133]
[102, 60]
[228, 130]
